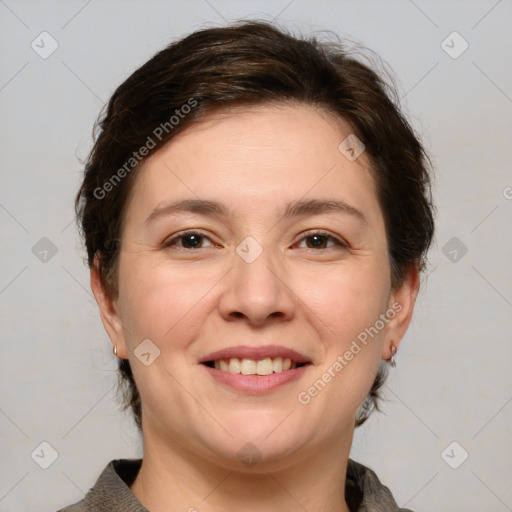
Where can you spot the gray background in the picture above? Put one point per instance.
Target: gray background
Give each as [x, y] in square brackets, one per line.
[453, 380]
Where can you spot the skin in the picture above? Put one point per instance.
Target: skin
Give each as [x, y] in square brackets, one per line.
[191, 302]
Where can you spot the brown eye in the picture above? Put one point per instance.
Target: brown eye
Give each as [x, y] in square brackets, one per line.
[187, 240]
[319, 240]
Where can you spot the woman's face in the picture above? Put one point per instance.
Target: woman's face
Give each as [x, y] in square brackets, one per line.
[253, 236]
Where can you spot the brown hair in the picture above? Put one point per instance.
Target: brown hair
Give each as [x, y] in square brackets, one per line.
[246, 64]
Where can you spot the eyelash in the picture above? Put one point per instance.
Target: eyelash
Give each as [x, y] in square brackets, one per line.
[340, 243]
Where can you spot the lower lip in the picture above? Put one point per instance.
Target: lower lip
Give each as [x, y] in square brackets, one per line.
[256, 384]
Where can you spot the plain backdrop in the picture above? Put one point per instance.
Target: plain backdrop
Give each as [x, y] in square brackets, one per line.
[450, 396]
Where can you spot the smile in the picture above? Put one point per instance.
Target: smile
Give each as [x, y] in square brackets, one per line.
[255, 370]
[245, 366]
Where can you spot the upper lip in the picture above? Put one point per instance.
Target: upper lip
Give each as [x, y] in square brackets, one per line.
[256, 353]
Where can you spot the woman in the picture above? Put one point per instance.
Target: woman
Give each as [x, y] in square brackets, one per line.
[256, 212]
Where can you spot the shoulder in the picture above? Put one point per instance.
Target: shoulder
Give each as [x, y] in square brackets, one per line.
[366, 493]
[111, 492]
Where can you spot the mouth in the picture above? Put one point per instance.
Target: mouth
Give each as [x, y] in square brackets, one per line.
[245, 366]
[255, 369]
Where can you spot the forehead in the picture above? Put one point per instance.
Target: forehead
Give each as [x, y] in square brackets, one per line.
[279, 128]
[257, 158]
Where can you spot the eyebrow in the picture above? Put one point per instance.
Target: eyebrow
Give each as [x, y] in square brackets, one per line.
[293, 209]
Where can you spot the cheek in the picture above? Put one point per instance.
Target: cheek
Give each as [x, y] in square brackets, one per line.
[157, 301]
[167, 307]
[346, 300]
[346, 307]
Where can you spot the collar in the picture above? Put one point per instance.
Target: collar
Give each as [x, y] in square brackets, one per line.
[111, 492]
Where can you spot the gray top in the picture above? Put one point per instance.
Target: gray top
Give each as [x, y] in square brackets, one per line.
[111, 493]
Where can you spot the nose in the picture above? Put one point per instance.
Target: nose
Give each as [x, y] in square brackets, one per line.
[257, 292]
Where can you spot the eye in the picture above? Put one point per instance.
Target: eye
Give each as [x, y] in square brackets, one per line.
[195, 240]
[320, 239]
[187, 240]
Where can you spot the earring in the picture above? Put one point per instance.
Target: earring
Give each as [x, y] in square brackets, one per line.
[392, 361]
[115, 350]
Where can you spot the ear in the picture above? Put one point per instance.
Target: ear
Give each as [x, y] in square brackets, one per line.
[401, 301]
[109, 313]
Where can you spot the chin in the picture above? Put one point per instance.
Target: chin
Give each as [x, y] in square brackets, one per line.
[256, 445]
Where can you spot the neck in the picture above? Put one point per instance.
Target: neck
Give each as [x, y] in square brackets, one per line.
[174, 478]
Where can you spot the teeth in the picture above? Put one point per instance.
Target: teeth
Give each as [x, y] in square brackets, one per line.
[244, 366]
[265, 366]
[234, 365]
[248, 367]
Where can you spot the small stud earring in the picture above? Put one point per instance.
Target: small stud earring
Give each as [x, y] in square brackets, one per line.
[392, 361]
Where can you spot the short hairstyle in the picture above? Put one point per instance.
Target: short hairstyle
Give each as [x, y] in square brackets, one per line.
[241, 65]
